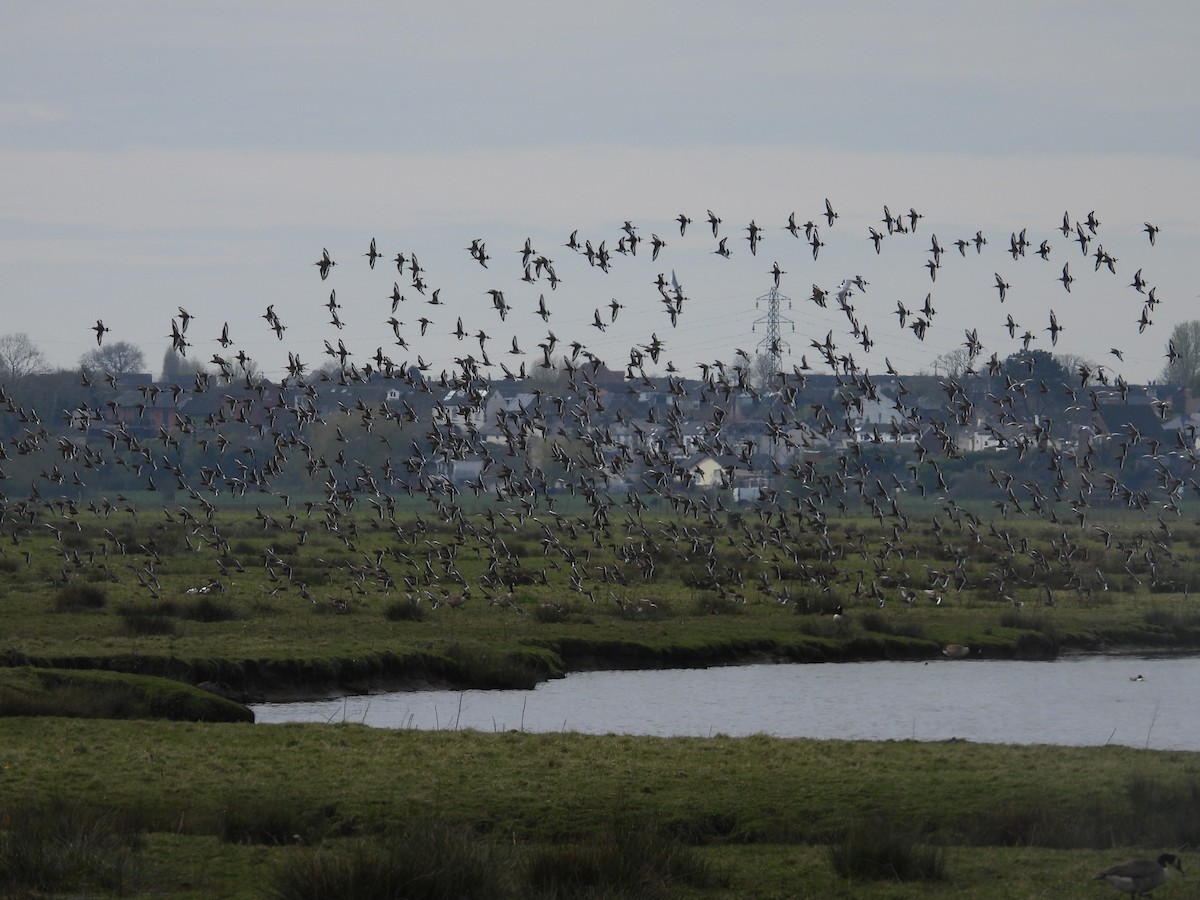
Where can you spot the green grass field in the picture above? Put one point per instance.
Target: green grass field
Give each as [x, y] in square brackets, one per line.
[292, 612]
[763, 813]
[99, 796]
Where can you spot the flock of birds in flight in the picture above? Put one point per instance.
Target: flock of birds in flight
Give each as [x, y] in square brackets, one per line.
[795, 526]
[597, 437]
[538, 268]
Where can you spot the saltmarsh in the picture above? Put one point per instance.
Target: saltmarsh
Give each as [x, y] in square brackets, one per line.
[205, 810]
[762, 812]
[297, 609]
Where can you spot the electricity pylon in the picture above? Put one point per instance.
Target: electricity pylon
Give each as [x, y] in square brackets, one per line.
[772, 344]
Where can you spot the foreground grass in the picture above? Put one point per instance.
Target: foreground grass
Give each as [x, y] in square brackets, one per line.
[189, 868]
[765, 816]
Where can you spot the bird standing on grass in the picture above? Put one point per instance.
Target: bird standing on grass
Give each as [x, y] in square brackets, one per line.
[1140, 876]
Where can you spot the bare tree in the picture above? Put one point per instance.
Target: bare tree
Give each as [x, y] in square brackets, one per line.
[763, 371]
[1074, 364]
[1182, 369]
[249, 370]
[20, 358]
[952, 363]
[331, 369]
[117, 358]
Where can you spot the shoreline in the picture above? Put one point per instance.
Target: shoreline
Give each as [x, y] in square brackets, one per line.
[299, 694]
[255, 681]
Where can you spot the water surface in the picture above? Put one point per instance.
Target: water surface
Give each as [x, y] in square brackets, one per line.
[1077, 701]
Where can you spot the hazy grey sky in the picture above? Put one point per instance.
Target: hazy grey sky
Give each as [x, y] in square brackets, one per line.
[156, 155]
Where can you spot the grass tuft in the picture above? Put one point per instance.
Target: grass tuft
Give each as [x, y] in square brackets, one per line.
[53, 846]
[629, 859]
[879, 851]
[1026, 620]
[884, 624]
[144, 621]
[1161, 813]
[404, 611]
[434, 862]
[276, 821]
[209, 609]
[715, 605]
[79, 597]
[551, 613]
[1172, 621]
[1035, 822]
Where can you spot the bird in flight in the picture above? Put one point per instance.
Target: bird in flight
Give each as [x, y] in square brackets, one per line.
[754, 237]
[324, 264]
[776, 272]
[1002, 286]
[1054, 328]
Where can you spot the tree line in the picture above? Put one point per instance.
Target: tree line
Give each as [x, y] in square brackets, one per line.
[20, 358]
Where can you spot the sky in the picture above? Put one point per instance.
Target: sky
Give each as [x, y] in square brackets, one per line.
[202, 155]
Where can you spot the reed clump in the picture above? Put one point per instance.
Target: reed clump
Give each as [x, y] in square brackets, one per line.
[54, 847]
[435, 861]
[1034, 823]
[1164, 813]
[209, 609]
[718, 605]
[883, 624]
[1172, 621]
[274, 821]
[155, 619]
[878, 850]
[1149, 811]
[404, 611]
[551, 613]
[80, 597]
[629, 858]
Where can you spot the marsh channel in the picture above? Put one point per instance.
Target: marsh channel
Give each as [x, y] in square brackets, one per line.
[1093, 700]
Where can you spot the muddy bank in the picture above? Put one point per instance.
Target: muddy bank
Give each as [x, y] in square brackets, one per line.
[291, 679]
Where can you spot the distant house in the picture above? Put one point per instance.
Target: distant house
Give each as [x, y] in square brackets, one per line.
[464, 470]
[149, 408]
[704, 470]
[881, 411]
[708, 470]
[1137, 421]
[1187, 427]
